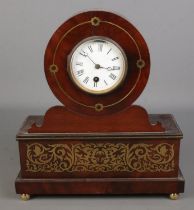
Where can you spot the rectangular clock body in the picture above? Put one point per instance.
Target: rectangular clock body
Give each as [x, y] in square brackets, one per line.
[100, 163]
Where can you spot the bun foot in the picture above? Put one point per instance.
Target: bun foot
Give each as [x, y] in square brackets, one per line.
[25, 197]
[174, 196]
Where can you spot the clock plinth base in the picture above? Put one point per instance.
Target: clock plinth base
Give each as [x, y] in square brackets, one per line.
[100, 186]
[100, 162]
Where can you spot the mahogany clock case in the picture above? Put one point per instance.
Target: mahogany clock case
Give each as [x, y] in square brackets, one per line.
[98, 144]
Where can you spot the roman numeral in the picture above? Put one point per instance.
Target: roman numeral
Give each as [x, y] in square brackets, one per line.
[112, 76]
[116, 58]
[80, 72]
[96, 80]
[100, 46]
[83, 53]
[90, 48]
[86, 80]
[109, 51]
[105, 82]
[79, 63]
[116, 67]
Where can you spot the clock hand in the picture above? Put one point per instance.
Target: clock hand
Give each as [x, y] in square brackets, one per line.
[112, 69]
[91, 60]
[108, 68]
[97, 66]
[85, 54]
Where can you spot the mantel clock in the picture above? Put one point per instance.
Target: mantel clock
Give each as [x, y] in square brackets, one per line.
[97, 64]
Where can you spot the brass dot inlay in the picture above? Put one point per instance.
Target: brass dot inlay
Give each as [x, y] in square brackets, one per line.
[99, 107]
[95, 21]
[140, 63]
[53, 68]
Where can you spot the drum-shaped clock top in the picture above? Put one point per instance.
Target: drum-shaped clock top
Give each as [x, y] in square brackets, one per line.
[97, 63]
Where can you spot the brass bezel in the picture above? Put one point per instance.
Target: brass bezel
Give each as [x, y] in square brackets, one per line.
[87, 90]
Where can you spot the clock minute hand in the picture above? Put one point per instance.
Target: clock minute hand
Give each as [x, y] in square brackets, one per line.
[91, 60]
[85, 54]
[97, 66]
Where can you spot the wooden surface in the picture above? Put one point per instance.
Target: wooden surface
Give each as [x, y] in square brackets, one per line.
[167, 121]
[59, 120]
[96, 186]
[40, 181]
[74, 30]
[117, 141]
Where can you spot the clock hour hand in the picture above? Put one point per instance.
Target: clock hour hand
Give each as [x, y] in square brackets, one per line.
[111, 69]
[108, 68]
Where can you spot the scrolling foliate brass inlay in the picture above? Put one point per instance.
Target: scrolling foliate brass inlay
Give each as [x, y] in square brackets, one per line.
[100, 157]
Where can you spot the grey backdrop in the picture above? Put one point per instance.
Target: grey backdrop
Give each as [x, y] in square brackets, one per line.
[25, 28]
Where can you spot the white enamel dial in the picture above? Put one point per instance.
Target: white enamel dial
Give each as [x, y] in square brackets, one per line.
[98, 65]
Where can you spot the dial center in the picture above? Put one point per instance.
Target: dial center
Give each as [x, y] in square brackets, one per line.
[97, 66]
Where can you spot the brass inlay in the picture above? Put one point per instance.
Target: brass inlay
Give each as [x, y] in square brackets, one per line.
[53, 68]
[64, 92]
[93, 106]
[100, 157]
[119, 101]
[95, 21]
[104, 21]
[99, 107]
[140, 63]
[71, 29]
